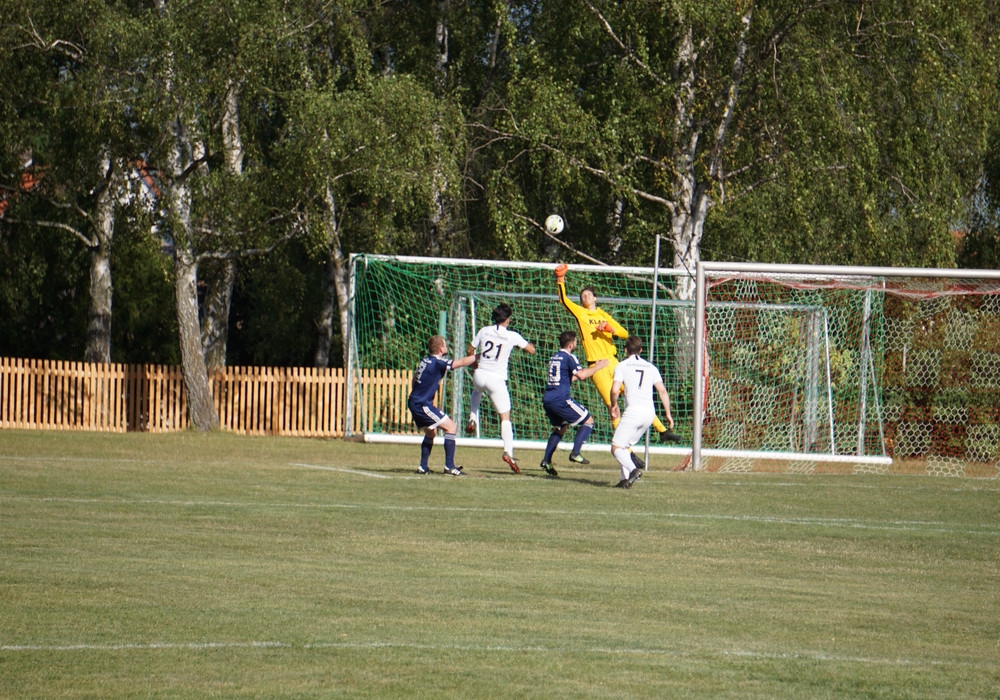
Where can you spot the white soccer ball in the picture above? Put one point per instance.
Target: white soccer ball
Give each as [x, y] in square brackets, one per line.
[554, 224]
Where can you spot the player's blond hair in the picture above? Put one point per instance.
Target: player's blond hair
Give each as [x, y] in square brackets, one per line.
[435, 343]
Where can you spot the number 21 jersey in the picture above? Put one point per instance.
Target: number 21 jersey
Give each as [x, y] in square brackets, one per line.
[494, 345]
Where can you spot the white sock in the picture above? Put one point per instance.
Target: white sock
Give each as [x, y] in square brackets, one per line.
[507, 433]
[624, 458]
[474, 406]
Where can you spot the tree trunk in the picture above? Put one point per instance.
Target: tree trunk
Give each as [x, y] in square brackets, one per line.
[340, 283]
[215, 316]
[219, 294]
[201, 407]
[335, 302]
[98, 347]
[324, 322]
[99, 314]
[688, 226]
[440, 226]
[686, 234]
[334, 289]
[182, 152]
[691, 188]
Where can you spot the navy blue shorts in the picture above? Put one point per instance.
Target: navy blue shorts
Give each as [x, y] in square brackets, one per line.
[427, 415]
[567, 412]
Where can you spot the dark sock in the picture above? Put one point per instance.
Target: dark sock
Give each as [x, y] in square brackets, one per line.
[449, 450]
[550, 448]
[582, 433]
[425, 451]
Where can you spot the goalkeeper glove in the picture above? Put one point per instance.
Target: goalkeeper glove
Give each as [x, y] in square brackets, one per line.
[561, 272]
[604, 327]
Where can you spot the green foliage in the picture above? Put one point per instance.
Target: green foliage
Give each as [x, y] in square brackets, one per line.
[274, 304]
[144, 327]
[877, 130]
[381, 151]
[43, 306]
[857, 133]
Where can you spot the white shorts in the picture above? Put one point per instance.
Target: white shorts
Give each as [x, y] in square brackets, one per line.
[496, 387]
[631, 428]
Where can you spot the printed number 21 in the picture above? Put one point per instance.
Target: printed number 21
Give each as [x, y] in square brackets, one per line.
[490, 347]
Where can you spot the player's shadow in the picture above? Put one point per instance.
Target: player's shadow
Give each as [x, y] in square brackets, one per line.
[503, 472]
[586, 482]
[563, 477]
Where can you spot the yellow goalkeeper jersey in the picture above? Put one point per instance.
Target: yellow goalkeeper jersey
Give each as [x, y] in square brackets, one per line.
[597, 345]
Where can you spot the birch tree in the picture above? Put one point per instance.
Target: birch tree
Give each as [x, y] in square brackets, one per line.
[66, 143]
[367, 163]
[215, 211]
[683, 108]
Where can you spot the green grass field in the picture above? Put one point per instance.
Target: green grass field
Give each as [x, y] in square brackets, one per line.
[191, 565]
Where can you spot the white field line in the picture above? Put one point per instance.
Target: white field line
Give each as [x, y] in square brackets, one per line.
[989, 530]
[357, 472]
[492, 648]
[128, 646]
[45, 459]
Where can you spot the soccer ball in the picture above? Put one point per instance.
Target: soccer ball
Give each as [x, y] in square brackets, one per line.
[554, 224]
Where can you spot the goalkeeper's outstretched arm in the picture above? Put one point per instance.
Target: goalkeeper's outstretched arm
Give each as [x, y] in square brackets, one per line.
[571, 305]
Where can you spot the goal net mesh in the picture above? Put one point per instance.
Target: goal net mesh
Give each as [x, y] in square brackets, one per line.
[913, 368]
[398, 303]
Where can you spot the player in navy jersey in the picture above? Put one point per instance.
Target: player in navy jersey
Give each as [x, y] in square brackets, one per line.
[426, 415]
[562, 410]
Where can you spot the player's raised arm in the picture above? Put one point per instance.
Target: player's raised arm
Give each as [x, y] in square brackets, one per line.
[588, 372]
[560, 273]
[464, 361]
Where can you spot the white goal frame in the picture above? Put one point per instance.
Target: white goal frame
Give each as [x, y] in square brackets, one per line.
[705, 269]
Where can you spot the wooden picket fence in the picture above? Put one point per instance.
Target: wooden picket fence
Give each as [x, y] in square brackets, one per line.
[295, 401]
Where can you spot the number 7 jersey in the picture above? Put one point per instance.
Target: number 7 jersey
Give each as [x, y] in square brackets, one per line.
[494, 344]
[638, 377]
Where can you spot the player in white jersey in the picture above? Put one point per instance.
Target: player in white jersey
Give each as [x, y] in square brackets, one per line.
[638, 378]
[494, 345]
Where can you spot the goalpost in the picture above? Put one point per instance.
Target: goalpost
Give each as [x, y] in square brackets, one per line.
[913, 357]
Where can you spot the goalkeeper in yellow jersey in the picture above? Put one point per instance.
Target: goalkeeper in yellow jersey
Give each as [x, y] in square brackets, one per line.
[597, 333]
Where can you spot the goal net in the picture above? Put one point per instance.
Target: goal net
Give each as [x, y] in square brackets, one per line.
[397, 303]
[911, 360]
